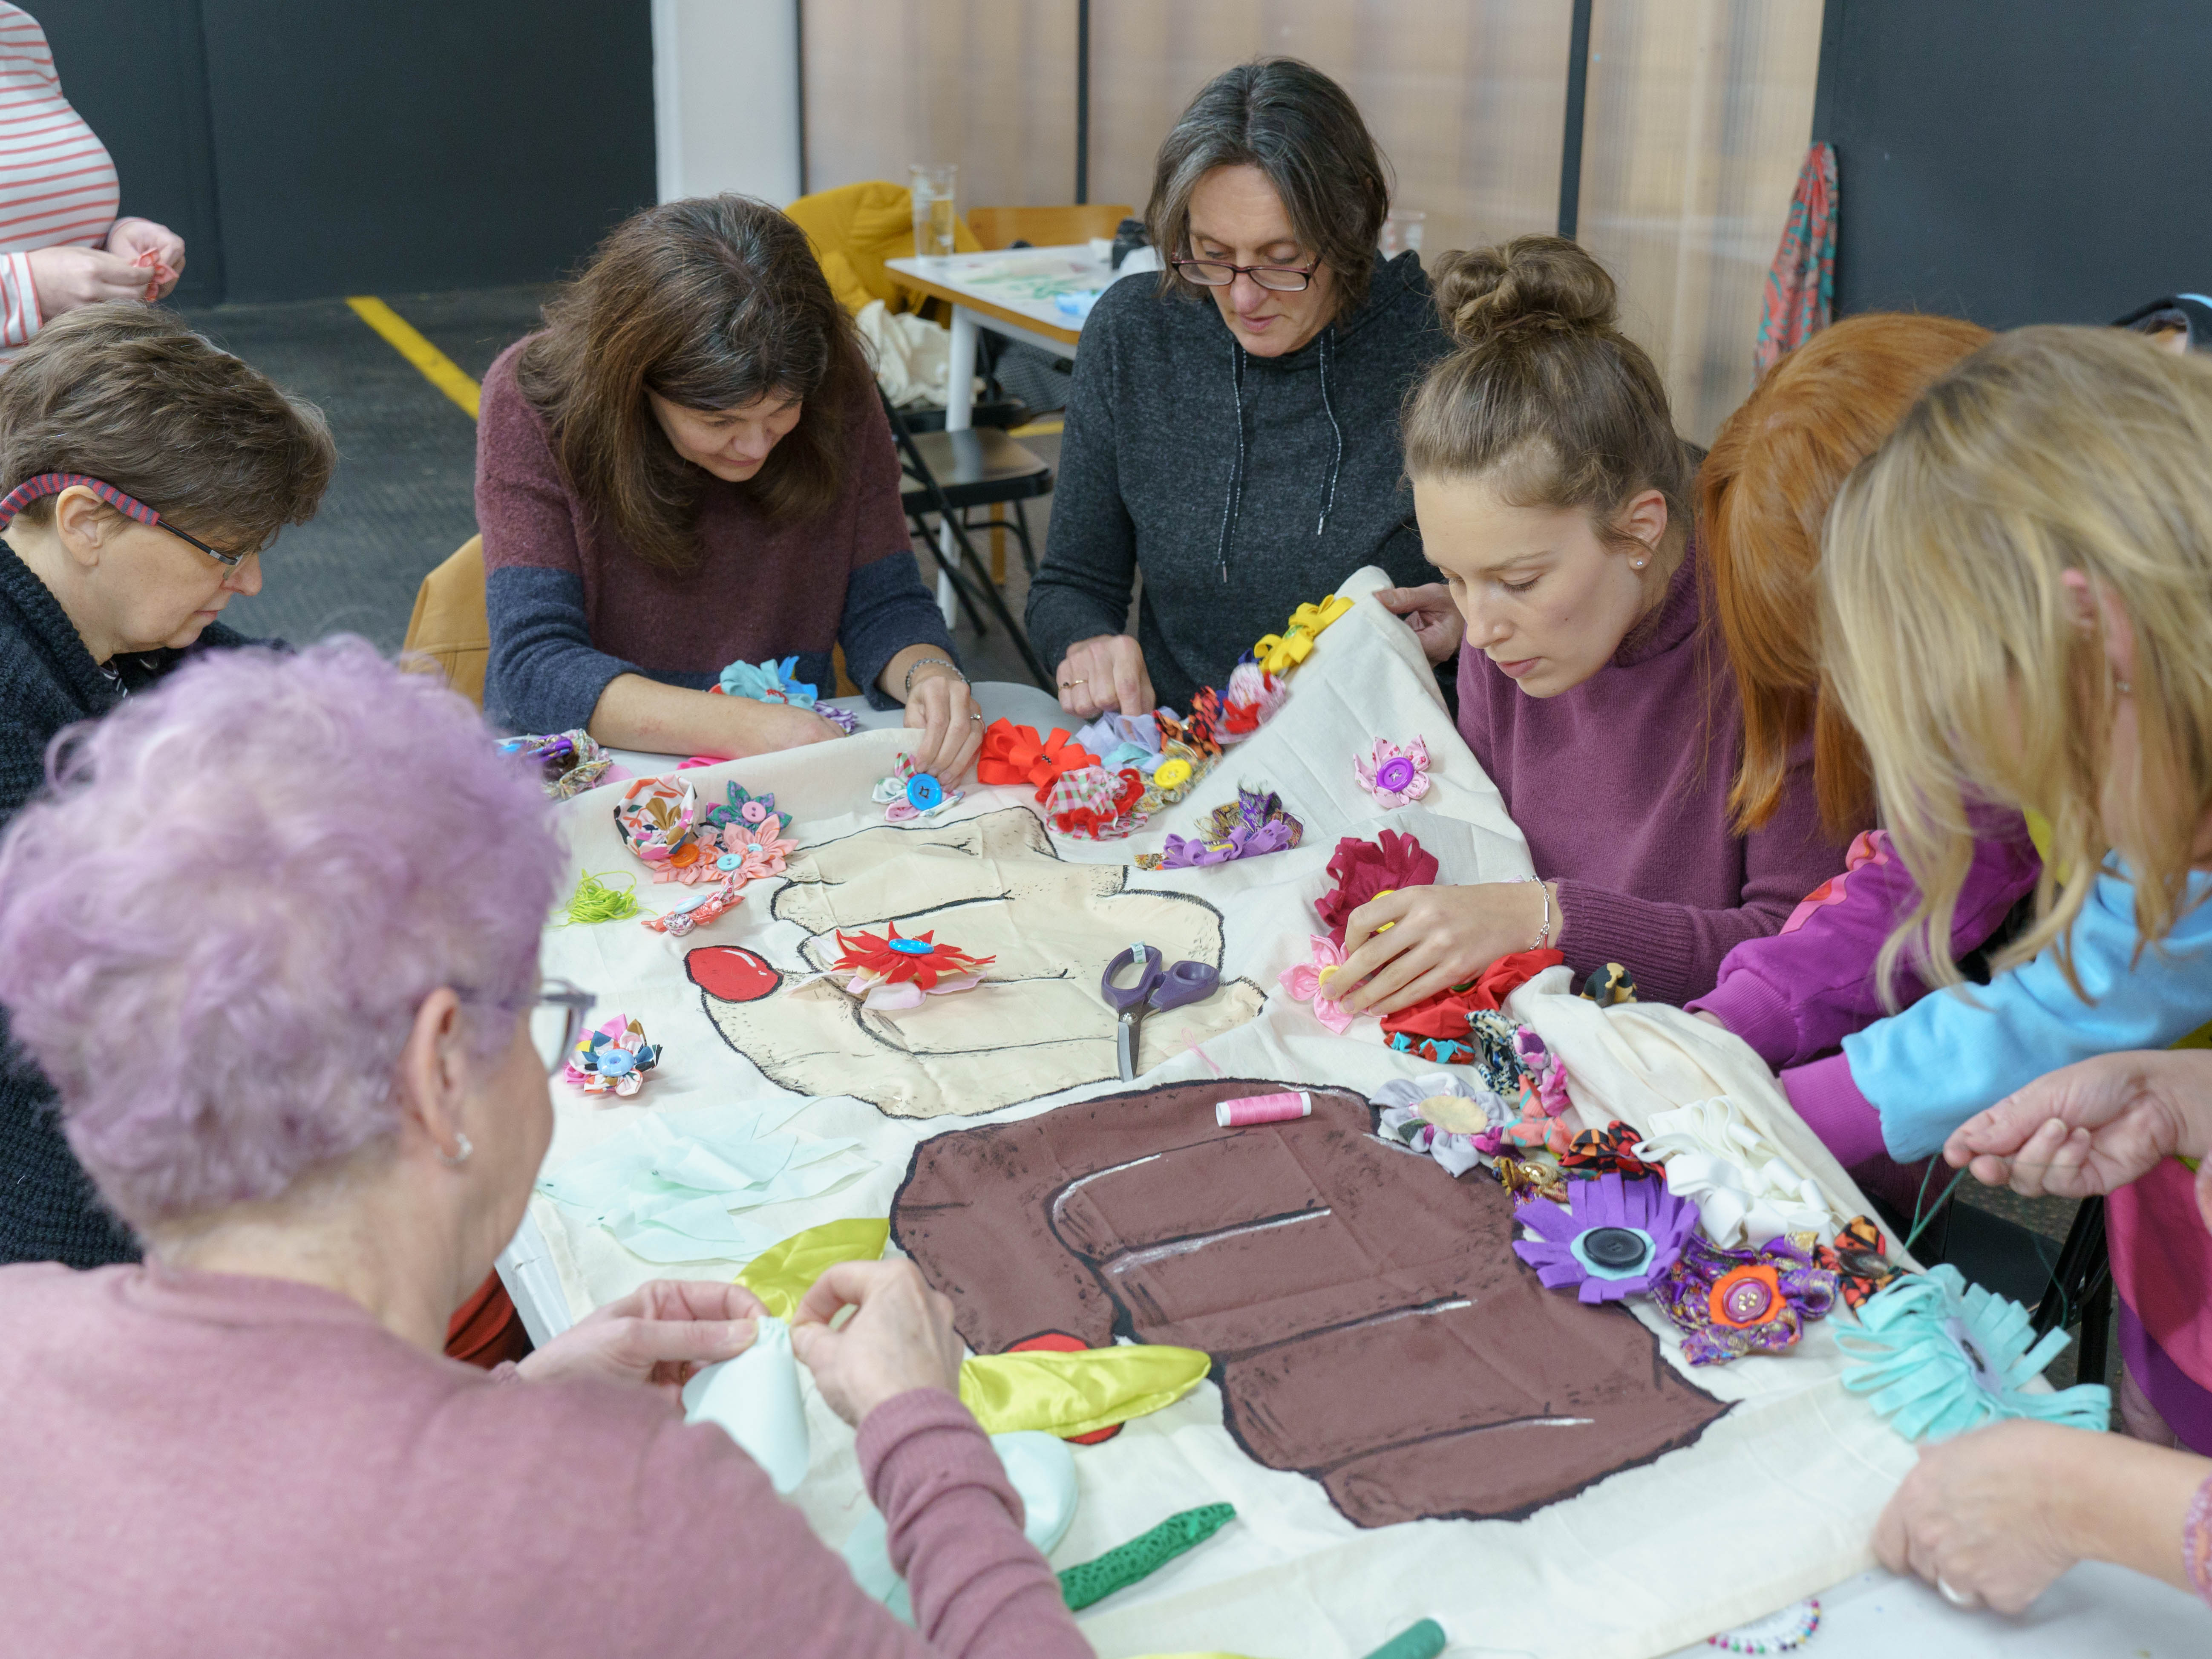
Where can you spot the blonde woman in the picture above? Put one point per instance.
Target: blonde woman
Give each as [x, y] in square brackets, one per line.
[2017, 607]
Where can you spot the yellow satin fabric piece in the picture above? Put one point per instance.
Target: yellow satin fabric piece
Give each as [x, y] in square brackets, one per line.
[781, 1275]
[1279, 655]
[1071, 1394]
[1315, 617]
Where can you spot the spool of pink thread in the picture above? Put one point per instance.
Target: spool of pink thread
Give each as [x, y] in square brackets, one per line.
[1263, 1108]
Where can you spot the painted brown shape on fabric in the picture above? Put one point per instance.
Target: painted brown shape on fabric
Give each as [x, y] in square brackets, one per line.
[1370, 1323]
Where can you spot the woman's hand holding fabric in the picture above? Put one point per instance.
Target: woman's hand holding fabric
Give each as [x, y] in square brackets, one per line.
[658, 1335]
[1429, 612]
[899, 1337]
[942, 708]
[134, 239]
[1102, 672]
[68, 277]
[1976, 1517]
[2087, 1128]
[1410, 944]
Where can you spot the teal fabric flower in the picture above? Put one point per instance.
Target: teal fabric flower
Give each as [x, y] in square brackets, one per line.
[1941, 1357]
[768, 681]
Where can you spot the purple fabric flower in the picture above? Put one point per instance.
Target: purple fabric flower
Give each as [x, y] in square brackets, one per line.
[1614, 1236]
[1727, 1304]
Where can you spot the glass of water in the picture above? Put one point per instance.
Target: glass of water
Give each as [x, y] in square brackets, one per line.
[935, 186]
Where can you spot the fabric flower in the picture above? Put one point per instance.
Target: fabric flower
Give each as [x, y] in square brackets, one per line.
[1254, 825]
[1859, 1259]
[658, 819]
[612, 1059]
[750, 852]
[1252, 696]
[915, 797]
[1394, 776]
[1457, 1124]
[1015, 754]
[1446, 1014]
[768, 682]
[1096, 803]
[1308, 982]
[1365, 870]
[1178, 769]
[1727, 1304]
[1615, 1236]
[568, 761]
[1942, 1357]
[1120, 740]
[758, 812]
[1609, 1150]
[891, 971]
[698, 910]
[1745, 1189]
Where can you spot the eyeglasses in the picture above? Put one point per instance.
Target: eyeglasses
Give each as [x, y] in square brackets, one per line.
[557, 1019]
[1215, 273]
[52, 483]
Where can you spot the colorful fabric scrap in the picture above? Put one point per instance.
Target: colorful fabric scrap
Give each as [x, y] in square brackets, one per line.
[1531, 1178]
[1941, 1357]
[1120, 740]
[1016, 755]
[1252, 696]
[1254, 825]
[1097, 803]
[1616, 1236]
[1859, 1260]
[570, 762]
[910, 796]
[1179, 767]
[1727, 1304]
[658, 819]
[1458, 1124]
[695, 910]
[1365, 870]
[612, 1059]
[768, 682]
[843, 719]
[889, 971]
[1394, 776]
[1445, 1014]
[1609, 1150]
[1609, 985]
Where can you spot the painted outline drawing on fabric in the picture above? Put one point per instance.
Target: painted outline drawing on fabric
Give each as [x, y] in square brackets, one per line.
[994, 886]
[1133, 1214]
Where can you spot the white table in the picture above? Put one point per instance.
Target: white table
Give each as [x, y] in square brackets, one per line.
[1010, 291]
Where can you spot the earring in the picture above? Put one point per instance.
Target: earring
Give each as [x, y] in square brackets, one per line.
[2124, 687]
[1636, 564]
[454, 1160]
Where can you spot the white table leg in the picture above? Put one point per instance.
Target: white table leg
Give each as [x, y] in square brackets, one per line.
[959, 411]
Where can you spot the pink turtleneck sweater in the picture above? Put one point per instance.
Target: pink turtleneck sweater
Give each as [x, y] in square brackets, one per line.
[202, 1464]
[1621, 786]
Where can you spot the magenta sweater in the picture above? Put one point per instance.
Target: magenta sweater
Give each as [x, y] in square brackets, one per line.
[1620, 785]
[206, 1465]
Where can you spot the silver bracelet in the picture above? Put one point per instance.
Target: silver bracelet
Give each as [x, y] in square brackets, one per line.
[1543, 933]
[906, 691]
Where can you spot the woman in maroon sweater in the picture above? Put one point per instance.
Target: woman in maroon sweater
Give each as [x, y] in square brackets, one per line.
[1554, 492]
[689, 467]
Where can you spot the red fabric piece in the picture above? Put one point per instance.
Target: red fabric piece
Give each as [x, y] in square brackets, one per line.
[1015, 754]
[1088, 820]
[878, 953]
[486, 1330]
[1444, 1015]
[1061, 1342]
[1361, 869]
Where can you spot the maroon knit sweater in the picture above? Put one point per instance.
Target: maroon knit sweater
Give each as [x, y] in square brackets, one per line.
[1621, 786]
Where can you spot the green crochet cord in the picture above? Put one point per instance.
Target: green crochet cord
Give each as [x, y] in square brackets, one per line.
[594, 901]
[1093, 1581]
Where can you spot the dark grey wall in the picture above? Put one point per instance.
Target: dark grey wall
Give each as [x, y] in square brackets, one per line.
[2018, 161]
[311, 147]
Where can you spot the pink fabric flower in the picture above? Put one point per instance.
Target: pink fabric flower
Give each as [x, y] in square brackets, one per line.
[1304, 981]
[1392, 775]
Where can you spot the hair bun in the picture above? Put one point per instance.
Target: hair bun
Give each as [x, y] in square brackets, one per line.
[1542, 281]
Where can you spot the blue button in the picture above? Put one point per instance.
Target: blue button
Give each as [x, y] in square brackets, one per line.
[912, 947]
[923, 792]
[729, 861]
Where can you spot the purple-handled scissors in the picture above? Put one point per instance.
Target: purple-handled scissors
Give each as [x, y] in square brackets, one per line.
[1158, 986]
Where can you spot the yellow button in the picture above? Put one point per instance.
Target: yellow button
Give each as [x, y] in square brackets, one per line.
[1172, 774]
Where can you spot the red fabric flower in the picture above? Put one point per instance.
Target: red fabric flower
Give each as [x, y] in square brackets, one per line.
[1362, 869]
[1444, 1015]
[1015, 754]
[898, 961]
[1609, 1150]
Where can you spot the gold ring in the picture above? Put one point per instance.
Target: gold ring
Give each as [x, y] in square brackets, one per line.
[1070, 686]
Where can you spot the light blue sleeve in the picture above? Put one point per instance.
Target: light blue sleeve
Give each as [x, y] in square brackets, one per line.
[1957, 1052]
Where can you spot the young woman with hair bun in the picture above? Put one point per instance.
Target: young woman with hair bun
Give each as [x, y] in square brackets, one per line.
[1554, 495]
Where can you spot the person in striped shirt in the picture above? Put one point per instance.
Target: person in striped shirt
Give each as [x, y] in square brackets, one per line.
[63, 245]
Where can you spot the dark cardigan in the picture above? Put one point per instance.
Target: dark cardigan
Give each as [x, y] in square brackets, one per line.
[48, 681]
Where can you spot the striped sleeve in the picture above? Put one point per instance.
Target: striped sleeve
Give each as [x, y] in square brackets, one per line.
[58, 183]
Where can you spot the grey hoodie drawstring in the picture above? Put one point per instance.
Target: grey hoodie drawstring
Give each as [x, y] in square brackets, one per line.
[1234, 498]
[1328, 501]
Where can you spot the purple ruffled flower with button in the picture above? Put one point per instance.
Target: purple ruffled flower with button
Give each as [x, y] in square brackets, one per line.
[1615, 1236]
[1392, 775]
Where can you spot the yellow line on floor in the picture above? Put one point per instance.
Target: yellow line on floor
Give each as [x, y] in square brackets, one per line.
[439, 370]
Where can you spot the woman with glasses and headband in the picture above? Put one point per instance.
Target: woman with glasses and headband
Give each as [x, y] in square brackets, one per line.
[141, 472]
[1232, 433]
[290, 1010]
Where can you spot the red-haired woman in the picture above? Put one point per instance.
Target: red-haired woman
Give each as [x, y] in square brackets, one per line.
[688, 468]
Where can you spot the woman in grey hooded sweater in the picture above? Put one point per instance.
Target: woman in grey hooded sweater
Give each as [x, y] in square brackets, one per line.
[1233, 432]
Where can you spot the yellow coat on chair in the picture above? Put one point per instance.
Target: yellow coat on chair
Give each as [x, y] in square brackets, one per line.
[854, 229]
[449, 626]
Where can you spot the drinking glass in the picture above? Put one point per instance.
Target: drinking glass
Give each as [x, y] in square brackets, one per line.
[935, 185]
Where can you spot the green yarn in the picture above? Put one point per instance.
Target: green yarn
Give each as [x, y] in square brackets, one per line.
[1424, 1641]
[593, 900]
[1142, 1556]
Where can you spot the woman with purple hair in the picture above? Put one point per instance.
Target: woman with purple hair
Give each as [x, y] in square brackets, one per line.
[272, 932]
